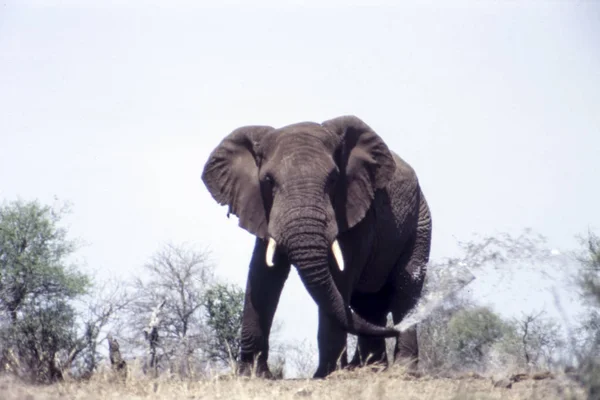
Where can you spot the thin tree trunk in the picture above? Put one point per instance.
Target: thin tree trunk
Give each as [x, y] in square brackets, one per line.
[117, 362]
[151, 335]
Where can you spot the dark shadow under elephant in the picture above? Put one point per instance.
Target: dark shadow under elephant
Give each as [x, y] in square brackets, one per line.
[349, 214]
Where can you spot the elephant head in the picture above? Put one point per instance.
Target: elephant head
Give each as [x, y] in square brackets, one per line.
[298, 188]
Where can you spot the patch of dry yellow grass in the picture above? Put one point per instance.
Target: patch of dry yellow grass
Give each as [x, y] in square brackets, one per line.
[360, 384]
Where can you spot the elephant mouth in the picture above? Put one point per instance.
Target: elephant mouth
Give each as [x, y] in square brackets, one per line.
[335, 249]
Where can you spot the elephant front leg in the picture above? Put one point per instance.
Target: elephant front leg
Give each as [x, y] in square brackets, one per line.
[332, 346]
[263, 290]
[373, 307]
[411, 272]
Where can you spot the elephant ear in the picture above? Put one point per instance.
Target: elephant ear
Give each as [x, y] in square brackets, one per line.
[366, 164]
[231, 176]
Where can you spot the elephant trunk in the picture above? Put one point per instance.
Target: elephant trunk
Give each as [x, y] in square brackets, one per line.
[309, 252]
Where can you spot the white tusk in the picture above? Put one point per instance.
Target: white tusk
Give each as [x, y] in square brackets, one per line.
[271, 252]
[337, 253]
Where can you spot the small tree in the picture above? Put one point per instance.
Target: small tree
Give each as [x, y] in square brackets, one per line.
[589, 277]
[589, 282]
[104, 306]
[539, 339]
[472, 332]
[224, 307]
[179, 276]
[435, 353]
[37, 285]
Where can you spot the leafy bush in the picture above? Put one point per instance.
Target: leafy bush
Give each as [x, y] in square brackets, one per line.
[37, 285]
[224, 307]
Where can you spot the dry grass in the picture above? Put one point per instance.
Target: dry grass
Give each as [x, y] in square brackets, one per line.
[345, 385]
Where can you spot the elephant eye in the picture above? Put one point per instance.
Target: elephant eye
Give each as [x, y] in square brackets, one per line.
[332, 179]
[268, 179]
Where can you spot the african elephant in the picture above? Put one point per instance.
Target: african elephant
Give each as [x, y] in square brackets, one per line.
[349, 214]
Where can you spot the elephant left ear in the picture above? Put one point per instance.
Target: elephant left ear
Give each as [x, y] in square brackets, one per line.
[366, 164]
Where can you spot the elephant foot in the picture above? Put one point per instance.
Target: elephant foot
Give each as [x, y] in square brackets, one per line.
[260, 370]
[325, 369]
[410, 364]
[321, 373]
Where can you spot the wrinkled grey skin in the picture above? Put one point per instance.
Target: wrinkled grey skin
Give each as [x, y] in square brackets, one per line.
[305, 185]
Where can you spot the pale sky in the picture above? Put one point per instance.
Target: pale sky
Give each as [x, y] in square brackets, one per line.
[115, 106]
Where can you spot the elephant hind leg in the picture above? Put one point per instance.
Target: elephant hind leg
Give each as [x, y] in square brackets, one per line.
[409, 284]
[406, 350]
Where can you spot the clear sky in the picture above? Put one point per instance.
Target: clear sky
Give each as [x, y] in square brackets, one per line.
[115, 106]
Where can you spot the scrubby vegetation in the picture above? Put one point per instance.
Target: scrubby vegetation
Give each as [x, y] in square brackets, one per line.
[175, 329]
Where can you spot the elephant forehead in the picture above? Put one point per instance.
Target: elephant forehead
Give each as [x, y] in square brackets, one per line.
[306, 134]
[299, 163]
[302, 155]
[294, 143]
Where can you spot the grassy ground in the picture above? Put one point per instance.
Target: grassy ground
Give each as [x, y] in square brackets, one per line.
[345, 385]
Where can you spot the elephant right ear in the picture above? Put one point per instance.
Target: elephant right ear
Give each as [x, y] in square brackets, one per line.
[231, 176]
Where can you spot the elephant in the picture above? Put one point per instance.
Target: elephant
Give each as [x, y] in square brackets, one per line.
[348, 213]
